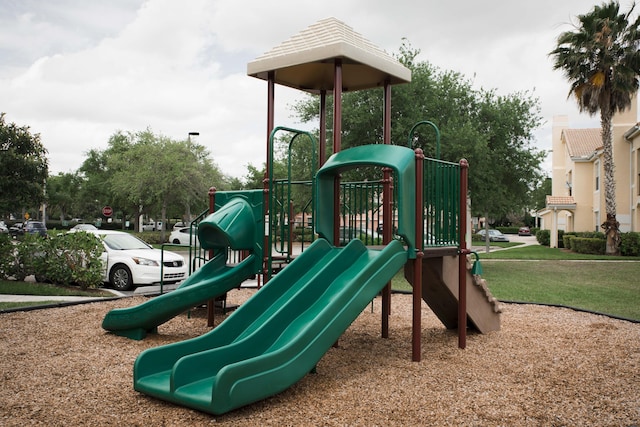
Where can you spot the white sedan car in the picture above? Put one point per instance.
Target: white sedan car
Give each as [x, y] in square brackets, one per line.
[130, 261]
[180, 236]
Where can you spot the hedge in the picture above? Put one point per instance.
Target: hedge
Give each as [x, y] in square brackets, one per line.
[63, 258]
[630, 244]
[544, 238]
[588, 245]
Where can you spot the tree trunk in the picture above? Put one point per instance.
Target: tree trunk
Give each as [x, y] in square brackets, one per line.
[487, 240]
[164, 221]
[611, 226]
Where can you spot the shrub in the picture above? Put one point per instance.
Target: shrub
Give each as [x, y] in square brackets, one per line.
[508, 230]
[62, 259]
[587, 245]
[566, 240]
[590, 234]
[544, 238]
[71, 258]
[6, 256]
[152, 237]
[630, 244]
[24, 256]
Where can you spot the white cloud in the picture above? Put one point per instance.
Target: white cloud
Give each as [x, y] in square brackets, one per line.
[78, 71]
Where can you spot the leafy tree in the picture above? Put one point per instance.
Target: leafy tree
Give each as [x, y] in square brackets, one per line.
[539, 196]
[493, 132]
[62, 191]
[23, 168]
[155, 172]
[601, 61]
[95, 192]
[254, 178]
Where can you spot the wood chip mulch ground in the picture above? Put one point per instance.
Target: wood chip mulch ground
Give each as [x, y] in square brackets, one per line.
[545, 367]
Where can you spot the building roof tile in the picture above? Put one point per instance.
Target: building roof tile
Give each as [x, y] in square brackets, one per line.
[560, 201]
[582, 143]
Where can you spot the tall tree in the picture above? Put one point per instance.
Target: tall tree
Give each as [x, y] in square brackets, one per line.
[62, 193]
[601, 61]
[493, 132]
[155, 172]
[23, 168]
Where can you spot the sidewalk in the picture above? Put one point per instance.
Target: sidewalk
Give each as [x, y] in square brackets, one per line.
[37, 298]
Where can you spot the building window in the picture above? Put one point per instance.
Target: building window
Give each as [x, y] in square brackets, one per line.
[597, 218]
[596, 172]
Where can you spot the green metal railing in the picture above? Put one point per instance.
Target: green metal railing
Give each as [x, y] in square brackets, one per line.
[411, 138]
[361, 212]
[283, 229]
[441, 194]
[441, 212]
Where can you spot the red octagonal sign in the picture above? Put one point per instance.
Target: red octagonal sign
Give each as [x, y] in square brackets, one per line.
[107, 211]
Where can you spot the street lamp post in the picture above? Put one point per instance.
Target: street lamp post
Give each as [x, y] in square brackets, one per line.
[193, 134]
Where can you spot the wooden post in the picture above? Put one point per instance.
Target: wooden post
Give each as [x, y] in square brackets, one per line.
[462, 257]
[387, 218]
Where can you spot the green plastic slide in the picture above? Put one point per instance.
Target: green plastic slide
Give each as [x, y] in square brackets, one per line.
[209, 281]
[277, 336]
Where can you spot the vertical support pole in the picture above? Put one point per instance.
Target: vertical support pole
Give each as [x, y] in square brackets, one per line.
[462, 257]
[266, 257]
[387, 217]
[211, 304]
[323, 128]
[337, 143]
[416, 346]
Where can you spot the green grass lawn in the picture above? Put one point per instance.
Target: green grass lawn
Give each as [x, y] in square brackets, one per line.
[30, 288]
[554, 276]
[22, 304]
[43, 289]
[543, 252]
[606, 287]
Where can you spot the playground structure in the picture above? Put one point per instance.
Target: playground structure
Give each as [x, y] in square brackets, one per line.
[311, 295]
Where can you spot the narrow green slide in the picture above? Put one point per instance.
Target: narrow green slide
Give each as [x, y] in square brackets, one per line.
[277, 336]
[234, 226]
[209, 281]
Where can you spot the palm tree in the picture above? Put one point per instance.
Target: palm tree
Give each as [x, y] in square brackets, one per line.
[601, 61]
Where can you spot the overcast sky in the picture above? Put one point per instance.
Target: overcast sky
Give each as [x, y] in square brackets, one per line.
[77, 71]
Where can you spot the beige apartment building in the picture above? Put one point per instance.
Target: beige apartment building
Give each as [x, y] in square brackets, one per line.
[577, 200]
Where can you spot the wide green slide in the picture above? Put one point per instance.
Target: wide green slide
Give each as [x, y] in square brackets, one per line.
[277, 336]
[209, 281]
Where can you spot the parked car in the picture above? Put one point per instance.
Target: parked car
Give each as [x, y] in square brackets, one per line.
[494, 235]
[130, 261]
[180, 236]
[524, 231]
[179, 224]
[28, 227]
[84, 227]
[3, 228]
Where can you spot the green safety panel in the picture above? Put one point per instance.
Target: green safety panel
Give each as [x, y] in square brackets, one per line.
[232, 226]
[400, 159]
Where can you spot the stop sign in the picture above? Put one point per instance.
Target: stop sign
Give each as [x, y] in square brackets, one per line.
[107, 211]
